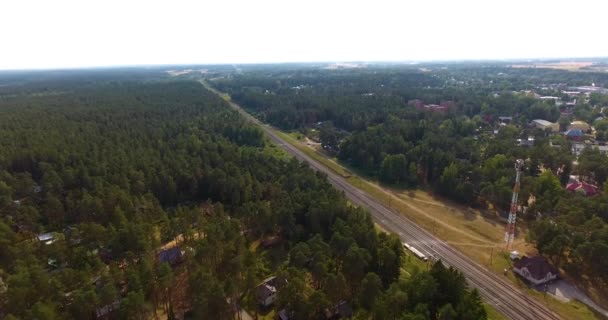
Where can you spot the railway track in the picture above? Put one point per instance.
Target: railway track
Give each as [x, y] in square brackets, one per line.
[502, 295]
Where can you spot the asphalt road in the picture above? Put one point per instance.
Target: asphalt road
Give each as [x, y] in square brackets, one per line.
[497, 291]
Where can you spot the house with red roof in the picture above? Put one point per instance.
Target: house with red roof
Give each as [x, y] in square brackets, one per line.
[583, 188]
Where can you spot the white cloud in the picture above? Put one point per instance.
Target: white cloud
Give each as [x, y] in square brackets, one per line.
[63, 33]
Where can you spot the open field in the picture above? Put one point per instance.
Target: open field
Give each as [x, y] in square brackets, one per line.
[564, 65]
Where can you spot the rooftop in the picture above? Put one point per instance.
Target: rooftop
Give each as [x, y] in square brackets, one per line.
[45, 236]
[537, 266]
[172, 255]
[575, 133]
[584, 188]
[579, 122]
[543, 122]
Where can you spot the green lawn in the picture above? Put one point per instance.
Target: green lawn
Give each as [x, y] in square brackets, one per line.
[276, 151]
[493, 314]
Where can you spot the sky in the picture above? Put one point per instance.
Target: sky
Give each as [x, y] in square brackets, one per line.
[90, 33]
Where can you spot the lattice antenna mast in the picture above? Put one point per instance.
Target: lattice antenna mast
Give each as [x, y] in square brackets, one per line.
[510, 232]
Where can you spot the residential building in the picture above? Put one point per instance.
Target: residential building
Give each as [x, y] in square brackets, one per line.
[340, 310]
[514, 255]
[583, 188]
[545, 125]
[547, 98]
[285, 315]
[575, 134]
[106, 312]
[566, 111]
[46, 238]
[590, 89]
[535, 269]
[572, 93]
[442, 107]
[578, 147]
[436, 108]
[172, 256]
[581, 125]
[526, 142]
[266, 295]
[270, 242]
[266, 292]
[505, 119]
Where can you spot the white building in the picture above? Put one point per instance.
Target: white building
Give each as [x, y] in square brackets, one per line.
[544, 125]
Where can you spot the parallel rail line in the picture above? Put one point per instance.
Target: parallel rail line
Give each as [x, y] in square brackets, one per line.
[502, 295]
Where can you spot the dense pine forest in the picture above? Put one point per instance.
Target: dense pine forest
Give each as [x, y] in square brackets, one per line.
[456, 130]
[103, 172]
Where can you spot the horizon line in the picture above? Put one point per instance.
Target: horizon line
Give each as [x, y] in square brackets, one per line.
[404, 61]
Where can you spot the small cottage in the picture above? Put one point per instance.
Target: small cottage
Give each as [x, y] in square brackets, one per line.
[535, 269]
[172, 256]
[266, 292]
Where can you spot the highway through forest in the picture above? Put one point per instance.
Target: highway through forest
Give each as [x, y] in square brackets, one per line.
[496, 290]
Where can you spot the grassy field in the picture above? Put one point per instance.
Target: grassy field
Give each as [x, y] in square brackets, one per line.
[493, 314]
[474, 233]
[276, 151]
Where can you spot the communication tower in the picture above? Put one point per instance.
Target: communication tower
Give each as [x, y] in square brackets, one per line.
[510, 232]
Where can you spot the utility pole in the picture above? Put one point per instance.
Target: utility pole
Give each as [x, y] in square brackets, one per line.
[510, 232]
